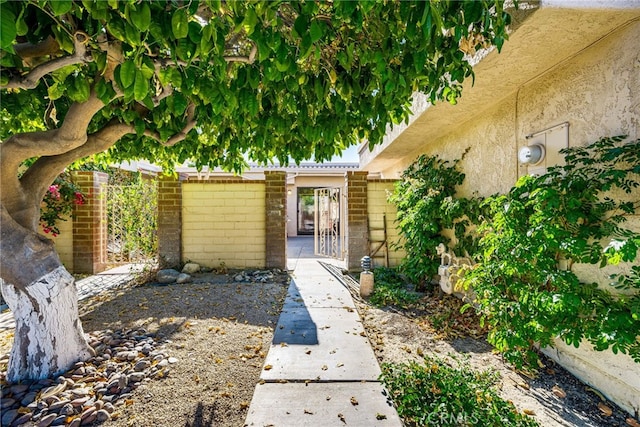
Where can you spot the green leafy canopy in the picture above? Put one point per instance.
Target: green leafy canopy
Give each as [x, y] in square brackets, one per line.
[267, 80]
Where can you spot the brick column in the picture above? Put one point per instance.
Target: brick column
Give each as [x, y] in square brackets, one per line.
[357, 241]
[169, 222]
[90, 224]
[276, 220]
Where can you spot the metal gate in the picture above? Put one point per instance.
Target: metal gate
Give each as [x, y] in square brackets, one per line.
[328, 233]
[132, 212]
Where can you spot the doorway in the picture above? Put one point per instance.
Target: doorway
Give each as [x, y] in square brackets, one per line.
[306, 211]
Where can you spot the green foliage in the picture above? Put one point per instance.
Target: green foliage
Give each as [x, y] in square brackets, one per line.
[391, 289]
[267, 79]
[132, 202]
[427, 205]
[58, 203]
[437, 393]
[527, 291]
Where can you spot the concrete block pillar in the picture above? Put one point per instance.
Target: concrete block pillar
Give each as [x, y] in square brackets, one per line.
[276, 219]
[90, 224]
[169, 222]
[357, 239]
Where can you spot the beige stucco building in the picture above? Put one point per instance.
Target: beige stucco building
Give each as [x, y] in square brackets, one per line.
[568, 75]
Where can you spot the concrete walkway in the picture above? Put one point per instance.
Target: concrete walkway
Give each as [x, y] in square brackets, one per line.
[320, 370]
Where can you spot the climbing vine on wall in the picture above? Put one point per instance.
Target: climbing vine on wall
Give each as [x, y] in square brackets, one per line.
[536, 235]
[427, 205]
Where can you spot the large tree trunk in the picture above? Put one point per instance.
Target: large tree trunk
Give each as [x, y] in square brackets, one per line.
[43, 299]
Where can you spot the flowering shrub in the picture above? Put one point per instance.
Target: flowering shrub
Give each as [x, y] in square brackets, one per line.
[58, 203]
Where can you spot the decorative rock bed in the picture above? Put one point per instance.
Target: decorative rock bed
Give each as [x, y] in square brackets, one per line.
[91, 391]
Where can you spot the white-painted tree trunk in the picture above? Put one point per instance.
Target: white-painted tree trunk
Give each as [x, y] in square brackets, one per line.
[48, 338]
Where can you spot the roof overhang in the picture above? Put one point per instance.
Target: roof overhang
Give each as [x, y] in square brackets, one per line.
[543, 38]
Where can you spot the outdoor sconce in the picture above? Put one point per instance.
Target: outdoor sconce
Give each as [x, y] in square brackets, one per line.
[531, 154]
[288, 192]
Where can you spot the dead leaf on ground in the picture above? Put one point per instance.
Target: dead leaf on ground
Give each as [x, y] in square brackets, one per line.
[606, 411]
[353, 401]
[558, 392]
[268, 367]
[632, 422]
[529, 412]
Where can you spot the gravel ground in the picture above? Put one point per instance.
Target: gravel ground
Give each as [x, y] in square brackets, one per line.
[218, 332]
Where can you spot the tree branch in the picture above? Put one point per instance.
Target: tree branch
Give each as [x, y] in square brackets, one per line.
[180, 136]
[46, 47]
[245, 59]
[31, 79]
[71, 134]
[36, 180]
[40, 175]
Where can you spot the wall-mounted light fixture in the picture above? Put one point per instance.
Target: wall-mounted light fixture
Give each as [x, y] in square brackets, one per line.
[289, 192]
[531, 154]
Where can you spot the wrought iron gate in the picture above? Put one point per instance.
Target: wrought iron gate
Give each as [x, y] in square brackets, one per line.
[329, 236]
[132, 212]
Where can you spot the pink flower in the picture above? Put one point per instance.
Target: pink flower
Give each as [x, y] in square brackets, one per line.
[55, 193]
[79, 198]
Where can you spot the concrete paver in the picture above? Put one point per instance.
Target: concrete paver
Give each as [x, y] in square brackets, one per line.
[321, 405]
[334, 347]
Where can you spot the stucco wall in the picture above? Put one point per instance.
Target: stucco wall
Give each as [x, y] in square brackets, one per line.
[377, 208]
[597, 92]
[224, 222]
[490, 164]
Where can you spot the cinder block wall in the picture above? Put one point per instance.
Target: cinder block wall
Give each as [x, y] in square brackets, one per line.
[169, 222]
[276, 219]
[90, 225]
[223, 221]
[357, 241]
[378, 207]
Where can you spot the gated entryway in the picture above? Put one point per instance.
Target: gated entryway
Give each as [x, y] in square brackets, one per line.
[132, 212]
[329, 227]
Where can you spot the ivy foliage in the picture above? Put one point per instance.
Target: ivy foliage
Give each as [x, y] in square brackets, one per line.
[539, 232]
[268, 79]
[427, 204]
